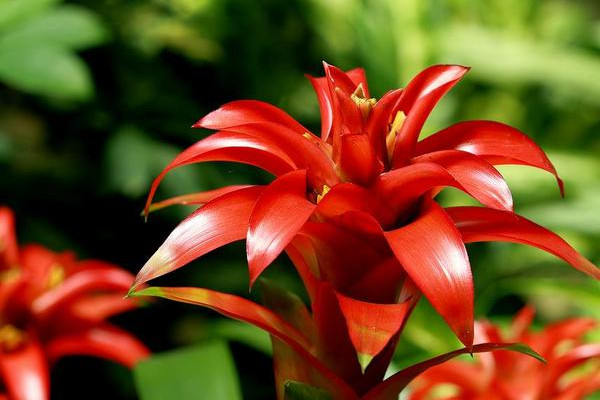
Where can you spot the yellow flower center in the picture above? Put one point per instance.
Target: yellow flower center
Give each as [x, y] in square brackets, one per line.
[364, 105]
[324, 191]
[11, 337]
[390, 140]
[55, 276]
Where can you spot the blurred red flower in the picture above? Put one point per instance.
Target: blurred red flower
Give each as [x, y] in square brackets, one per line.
[507, 376]
[355, 211]
[52, 305]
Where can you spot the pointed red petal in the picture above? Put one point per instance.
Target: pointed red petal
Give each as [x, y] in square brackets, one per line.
[390, 388]
[340, 79]
[277, 216]
[495, 142]
[230, 146]
[479, 224]
[9, 250]
[243, 112]
[431, 251]
[25, 372]
[101, 341]
[307, 152]
[222, 221]
[358, 77]
[100, 307]
[479, 178]
[321, 87]
[417, 101]
[199, 198]
[371, 325]
[573, 358]
[81, 283]
[521, 323]
[334, 346]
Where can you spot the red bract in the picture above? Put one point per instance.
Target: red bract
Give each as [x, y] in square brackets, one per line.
[52, 305]
[355, 212]
[506, 376]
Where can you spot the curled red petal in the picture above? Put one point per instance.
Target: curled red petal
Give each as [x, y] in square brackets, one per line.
[480, 224]
[221, 221]
[477, 176]
[230, 146]
[390, 388]
[570, 360]
[417, 101]
[243, 112]
[9, 250]
[306, 151]
[103, 341]
[495, 142]
[199, 198]
[279, 213]
[431, 251]
[371, 326]
[25, 372]
[341, 79]
[81, 283]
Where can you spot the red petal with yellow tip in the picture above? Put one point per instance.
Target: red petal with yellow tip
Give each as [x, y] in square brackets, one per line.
[199, 198]
[479, 178]
[102, 341]
[245, 310]
[9, 251]
[431, 251]
[243, 112]
[371, 326]
[25, 372]
[230, 146]
[221, 221]
[279, 213]
[417, 101]
[495, 142]
[480, 224]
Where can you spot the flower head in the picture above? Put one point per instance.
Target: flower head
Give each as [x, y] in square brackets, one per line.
[355, 210]
[507, 376]
[52, 305]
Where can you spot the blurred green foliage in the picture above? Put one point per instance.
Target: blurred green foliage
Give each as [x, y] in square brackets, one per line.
[98, 95]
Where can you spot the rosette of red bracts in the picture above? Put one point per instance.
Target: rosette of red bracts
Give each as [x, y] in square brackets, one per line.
[507, 376]
[51, 306]
[355, 211]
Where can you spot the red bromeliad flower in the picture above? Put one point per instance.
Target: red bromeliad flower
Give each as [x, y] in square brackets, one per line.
[506, 376]
[51, 306]
[355, 212]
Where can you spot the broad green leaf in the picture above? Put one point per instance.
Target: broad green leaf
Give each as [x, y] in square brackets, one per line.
[202, 372]
[65, 26]
[301, 391]
[14, 11]
[44, 70]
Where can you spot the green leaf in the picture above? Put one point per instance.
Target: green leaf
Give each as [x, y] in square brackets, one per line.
[68, 26]
[301, 391]
[14, 11]
[46, 71]
[205, 371]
